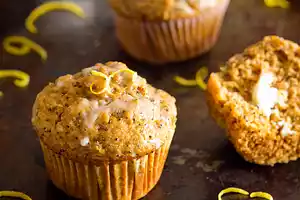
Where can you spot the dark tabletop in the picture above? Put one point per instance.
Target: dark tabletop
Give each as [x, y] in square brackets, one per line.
[201, 161]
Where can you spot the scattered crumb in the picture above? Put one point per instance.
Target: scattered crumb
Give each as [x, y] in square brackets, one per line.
[209, 168]
[191, 152]
[179, 160]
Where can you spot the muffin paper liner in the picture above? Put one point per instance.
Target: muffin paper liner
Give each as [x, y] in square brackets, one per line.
[124, 180]
[161, 42]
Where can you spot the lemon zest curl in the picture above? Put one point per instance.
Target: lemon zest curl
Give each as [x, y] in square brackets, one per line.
[107, 79]
[261, 195]
[14, 194]
[201, 75]
[184, 82]
[23, 78]
[48, 7]
[232, 190]
[277, 3]
[25, 46]
[244, 192]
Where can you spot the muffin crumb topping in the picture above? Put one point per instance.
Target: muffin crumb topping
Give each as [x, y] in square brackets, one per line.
[106, 109]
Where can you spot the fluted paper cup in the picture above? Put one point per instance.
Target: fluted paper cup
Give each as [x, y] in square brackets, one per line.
[124, 180]
[161, 42]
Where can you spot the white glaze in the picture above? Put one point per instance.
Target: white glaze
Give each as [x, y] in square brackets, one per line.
[85, 141]
[265, 96]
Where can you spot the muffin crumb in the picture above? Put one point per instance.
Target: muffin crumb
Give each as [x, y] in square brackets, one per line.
[256, 96]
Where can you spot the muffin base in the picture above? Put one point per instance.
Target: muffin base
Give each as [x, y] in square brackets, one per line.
[124, 180]
[175, 40]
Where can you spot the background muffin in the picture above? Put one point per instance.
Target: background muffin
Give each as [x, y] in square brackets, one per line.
[105, 132]
[256, 96]
[161, 31]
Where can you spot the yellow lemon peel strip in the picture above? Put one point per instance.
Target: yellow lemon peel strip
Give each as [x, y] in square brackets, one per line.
[261, 195]
[107, 79]
[96, 92]
[96, 73]
[25, 46]
[14, 195]
[22, 77]
[201, 74]
[232, 190]
[1, 94]
[123, 70]
[184, 82]
[48, 7]
[277, 3]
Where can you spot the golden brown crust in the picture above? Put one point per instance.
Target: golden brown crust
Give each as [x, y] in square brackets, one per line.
[259, 138]
[129, 120]
[161, 9]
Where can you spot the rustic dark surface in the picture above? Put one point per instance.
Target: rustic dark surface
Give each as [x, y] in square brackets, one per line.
[73, 43]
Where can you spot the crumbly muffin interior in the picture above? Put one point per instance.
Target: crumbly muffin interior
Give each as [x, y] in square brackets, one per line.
[265, 79]
[128, 119]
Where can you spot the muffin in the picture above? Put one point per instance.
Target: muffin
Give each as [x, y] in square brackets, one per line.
[105, 133]
[256, 97]
[162, 31]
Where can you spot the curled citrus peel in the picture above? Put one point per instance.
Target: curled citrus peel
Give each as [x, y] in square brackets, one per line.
[107, 79]
[232, 190]
[22, 78]
[133, 73]
[244, 192]
[201, 74]
[184, 82]
[261, 195]
[106, 85]
[48, 7]
[14, 194]
[277, 3]
[25, 45]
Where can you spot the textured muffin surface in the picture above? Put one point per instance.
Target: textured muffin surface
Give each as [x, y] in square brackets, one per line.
[161, 9]
[128, 120]
[256, 97]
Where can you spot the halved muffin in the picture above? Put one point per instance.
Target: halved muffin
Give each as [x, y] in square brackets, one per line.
[256, 97]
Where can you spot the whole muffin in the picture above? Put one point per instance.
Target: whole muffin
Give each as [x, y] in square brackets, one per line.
[105, 132]
[256, 97]
[162, 31]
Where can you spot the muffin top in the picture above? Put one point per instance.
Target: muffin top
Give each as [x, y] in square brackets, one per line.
[161, 9]
[260, 88]
[105, 112]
